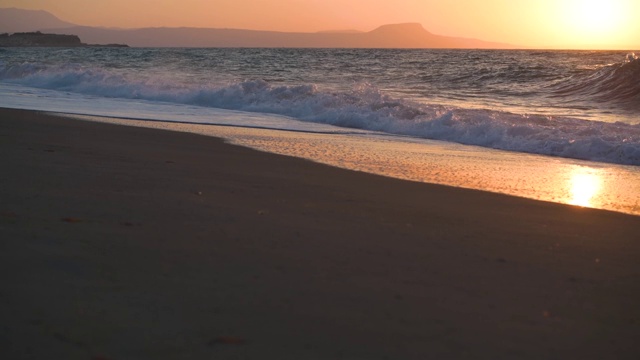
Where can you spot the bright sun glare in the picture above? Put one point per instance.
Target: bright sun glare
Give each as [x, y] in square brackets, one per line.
[594, 20]
[584, 185]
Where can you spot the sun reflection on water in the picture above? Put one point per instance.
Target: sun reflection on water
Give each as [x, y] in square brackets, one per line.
[584, 185]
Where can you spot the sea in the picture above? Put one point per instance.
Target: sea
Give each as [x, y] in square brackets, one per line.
[560, 126]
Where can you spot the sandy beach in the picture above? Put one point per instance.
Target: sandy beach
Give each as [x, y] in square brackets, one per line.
[131, 243]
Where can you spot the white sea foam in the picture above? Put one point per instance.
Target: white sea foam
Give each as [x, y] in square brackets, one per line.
[364, 107]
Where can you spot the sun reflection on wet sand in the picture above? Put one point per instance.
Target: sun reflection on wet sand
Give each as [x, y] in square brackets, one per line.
[584, 185]
[565, 181]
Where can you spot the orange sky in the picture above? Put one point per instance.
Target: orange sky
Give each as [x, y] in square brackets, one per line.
[535, 23]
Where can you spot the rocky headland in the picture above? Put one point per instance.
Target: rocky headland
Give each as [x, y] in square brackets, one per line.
[39, 39]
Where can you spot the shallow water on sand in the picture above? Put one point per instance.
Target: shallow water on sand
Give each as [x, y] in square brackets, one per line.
[575, 182]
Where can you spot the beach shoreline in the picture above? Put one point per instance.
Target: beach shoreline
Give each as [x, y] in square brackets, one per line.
[124, 242]
[546, 178]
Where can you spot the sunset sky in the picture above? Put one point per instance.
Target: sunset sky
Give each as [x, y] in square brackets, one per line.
[533, 23]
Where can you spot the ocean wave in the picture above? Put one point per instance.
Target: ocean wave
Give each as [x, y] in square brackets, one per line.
[617, 83]
[366, 107]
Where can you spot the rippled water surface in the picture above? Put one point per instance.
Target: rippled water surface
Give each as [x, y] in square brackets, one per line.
[573, 104]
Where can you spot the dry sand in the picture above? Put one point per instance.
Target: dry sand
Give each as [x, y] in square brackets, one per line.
[130, 243]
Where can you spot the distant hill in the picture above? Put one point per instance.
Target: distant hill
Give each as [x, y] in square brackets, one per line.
[39, 39]
[350, 31]
[388, 36]
[17, 20]
[29, 39]
[411, 35]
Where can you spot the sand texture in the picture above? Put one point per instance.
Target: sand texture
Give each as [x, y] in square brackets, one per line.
[131, 243]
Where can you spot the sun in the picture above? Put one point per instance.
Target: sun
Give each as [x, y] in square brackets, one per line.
[590, 24]
[594, 18]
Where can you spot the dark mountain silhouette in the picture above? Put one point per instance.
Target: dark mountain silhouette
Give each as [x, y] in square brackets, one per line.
[411, 35]
[18, 20]
[388, 36]
[349, 31]
[38, 39]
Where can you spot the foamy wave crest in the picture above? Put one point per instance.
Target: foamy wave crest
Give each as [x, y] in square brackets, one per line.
[616, 83]
[365, 107]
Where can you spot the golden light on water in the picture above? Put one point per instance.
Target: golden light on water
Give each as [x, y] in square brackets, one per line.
[584, 185]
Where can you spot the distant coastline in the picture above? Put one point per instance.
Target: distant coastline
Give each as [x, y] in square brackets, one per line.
[39, 39]
[396, 36]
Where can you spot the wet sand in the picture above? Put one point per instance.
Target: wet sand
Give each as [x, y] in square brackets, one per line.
[131, 243]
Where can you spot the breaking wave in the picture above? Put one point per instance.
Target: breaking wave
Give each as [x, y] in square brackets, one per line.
[617, 84]
[366, 107]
